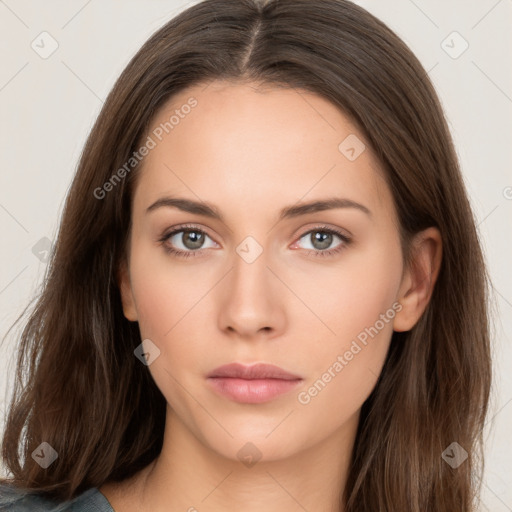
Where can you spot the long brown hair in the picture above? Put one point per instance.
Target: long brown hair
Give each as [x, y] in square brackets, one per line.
[78, 385]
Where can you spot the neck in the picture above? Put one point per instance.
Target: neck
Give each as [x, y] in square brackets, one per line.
[190, 476]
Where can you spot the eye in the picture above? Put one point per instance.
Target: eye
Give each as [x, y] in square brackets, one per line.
[321, 238]
[189, 240]
[185, 241]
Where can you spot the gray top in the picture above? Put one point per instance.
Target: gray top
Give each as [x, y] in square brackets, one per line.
[14, 500]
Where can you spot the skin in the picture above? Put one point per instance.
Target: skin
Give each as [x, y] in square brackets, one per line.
[252, 151]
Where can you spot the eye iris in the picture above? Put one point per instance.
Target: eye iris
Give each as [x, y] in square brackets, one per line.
[324, 238]
[196, 239]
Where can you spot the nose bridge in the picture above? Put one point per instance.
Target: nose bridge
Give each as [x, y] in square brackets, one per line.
[250, 272]
[250, 302]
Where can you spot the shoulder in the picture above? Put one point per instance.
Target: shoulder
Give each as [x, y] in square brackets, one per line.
[15, 500]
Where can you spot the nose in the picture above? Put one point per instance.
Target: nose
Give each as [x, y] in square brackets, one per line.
[252, 301]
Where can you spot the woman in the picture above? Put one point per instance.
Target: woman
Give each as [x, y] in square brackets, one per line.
[267, 290]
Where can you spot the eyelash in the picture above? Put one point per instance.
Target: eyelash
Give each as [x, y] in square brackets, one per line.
[189, 227]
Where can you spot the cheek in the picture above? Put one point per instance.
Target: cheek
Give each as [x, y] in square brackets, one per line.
[154, 300]
[351, 296]
[170, 312]
[165, 298]
[346, 367]
[164, 290]
[336, 396]
[358, 306]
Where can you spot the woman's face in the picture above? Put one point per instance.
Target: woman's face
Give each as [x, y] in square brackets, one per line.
[265, 280]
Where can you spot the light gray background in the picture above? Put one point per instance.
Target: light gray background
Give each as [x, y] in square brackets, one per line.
[49, 105]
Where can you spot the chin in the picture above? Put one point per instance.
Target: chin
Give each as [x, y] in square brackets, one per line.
[250, 446]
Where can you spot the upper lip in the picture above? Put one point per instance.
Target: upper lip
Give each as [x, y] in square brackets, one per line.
[255, 371]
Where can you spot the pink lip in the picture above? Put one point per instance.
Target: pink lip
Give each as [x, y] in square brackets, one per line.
[252, 384]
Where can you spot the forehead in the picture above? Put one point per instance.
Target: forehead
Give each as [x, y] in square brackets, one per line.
[246, 142]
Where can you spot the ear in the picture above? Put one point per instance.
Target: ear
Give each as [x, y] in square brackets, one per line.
[125, 288]
[418, 281]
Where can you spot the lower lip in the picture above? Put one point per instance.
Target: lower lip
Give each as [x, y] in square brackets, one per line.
[254, 391]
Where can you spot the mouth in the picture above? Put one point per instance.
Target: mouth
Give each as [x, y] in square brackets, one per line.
[254, 384]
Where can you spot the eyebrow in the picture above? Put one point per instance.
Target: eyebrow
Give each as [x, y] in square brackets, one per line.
[209, 210]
